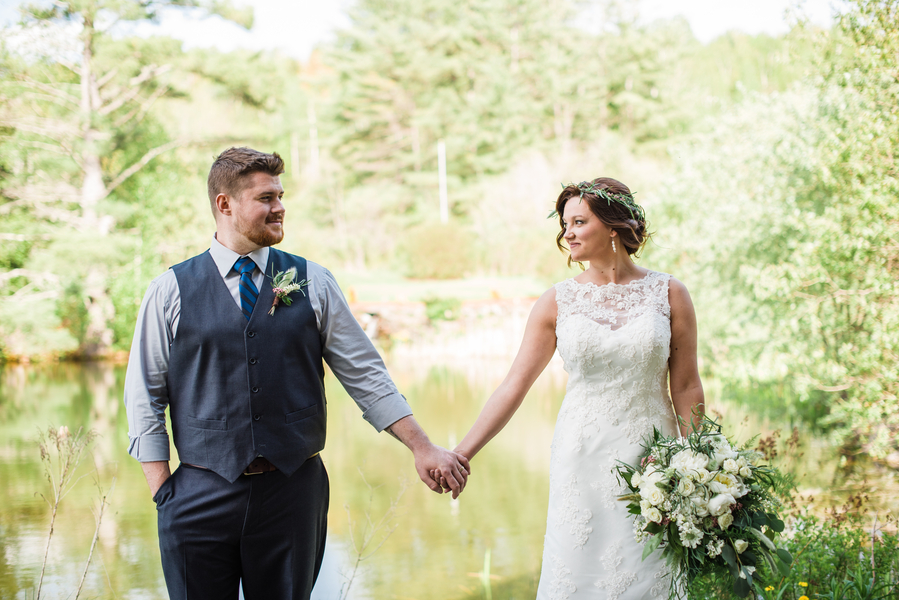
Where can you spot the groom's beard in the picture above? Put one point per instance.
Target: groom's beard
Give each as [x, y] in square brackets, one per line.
[260, 234]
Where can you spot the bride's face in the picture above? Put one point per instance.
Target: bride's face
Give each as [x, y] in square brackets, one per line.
[588, 238]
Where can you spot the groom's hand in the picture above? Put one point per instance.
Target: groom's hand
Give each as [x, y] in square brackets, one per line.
[452, 467]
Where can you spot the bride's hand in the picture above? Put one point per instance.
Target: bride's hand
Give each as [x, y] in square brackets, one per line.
[441, 481]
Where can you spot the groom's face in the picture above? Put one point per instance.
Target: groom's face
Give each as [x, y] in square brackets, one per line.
[258, 213]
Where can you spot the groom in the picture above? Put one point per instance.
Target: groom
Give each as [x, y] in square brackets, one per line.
[240, 369]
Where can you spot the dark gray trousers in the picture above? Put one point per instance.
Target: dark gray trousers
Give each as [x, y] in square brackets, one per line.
[266, 530]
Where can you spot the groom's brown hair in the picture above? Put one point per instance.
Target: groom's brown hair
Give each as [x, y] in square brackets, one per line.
[231, 167]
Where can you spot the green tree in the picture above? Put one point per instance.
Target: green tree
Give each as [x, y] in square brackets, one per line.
[795, 196]
[78, 126]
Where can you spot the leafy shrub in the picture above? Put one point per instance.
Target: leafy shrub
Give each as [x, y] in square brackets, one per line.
[831, 559]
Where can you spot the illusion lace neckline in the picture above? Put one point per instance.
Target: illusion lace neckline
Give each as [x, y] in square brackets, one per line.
[612, 284]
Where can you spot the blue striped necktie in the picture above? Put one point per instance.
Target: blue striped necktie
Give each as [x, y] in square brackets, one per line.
[248, 290]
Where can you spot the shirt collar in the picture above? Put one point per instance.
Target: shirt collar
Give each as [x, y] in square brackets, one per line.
[225, 258]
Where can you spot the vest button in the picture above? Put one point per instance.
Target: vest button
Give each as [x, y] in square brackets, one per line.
[257, 416]
[253, 361]
[251, 334]
[255, 389]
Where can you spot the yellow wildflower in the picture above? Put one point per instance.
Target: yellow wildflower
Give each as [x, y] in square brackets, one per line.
[803, 597]
[803, 584]
[769, 588]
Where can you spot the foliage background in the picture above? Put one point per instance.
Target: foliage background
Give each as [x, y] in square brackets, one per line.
[767, 166]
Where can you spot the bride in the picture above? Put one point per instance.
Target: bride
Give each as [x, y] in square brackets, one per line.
[627, 336]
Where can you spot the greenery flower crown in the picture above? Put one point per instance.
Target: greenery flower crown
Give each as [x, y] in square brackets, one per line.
[625, 200]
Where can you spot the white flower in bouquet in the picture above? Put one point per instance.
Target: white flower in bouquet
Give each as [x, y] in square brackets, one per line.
[703, 476]
[687, 462]
[720, 444]
[745, 472]
[701, 505]
[644, 506]
[636, 479]
[740, 546]
[725, 483]
[653, 495]
[652, 476]
[685, 487]
[721, 504]
[654, 515]
[745, 570]
[730, 465]
[715, 547]
[725, 520]
[720, 457]
[690, 536]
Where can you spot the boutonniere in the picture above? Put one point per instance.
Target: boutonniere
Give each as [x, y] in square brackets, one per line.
[283, 285]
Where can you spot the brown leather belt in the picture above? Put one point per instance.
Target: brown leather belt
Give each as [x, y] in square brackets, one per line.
[263, 465]
[259, 466]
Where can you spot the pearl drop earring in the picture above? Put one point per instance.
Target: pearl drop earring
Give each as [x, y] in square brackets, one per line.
[614, 249]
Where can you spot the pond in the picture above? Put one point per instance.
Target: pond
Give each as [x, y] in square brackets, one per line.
[487, 543]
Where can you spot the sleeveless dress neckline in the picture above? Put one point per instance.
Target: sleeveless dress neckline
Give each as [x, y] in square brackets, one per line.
[614, 284]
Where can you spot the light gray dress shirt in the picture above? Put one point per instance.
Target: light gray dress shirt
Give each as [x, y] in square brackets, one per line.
[345, 347]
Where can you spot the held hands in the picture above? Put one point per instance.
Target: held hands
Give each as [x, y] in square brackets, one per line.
[433, 463]
[442, 470]
[445, 484]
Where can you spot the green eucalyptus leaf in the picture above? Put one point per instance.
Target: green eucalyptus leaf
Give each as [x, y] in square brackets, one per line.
[741, 587]
[784, 556]
[651, 544]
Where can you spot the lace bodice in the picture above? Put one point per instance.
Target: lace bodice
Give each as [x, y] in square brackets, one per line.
[614, 340]
[613, 305]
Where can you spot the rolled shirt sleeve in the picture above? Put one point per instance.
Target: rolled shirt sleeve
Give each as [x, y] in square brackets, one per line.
[350, 354]
[146, 394]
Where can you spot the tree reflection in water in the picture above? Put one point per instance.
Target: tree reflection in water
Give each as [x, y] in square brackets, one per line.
[437, 551]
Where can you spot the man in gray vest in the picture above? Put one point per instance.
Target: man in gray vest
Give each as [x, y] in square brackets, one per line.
[238, 361]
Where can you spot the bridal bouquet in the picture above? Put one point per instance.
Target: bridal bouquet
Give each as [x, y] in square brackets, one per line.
[707, 505]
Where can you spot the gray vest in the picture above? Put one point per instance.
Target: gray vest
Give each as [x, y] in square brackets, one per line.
[238, 389]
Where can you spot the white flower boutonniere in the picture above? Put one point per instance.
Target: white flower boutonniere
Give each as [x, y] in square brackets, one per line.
[283, 285]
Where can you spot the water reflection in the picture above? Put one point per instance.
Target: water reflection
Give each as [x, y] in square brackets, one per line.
[438, 548]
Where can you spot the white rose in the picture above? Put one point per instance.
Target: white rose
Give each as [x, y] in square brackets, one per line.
[730, 465]
[636, 479]
[655, 496]
[739, 545]
[741, 462]
[721, 504]
[704, 476]
[654, 515]
[725, 520]
[685, 487]
[745, 472]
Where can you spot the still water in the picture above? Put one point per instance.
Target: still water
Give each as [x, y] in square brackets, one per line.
[486, 544]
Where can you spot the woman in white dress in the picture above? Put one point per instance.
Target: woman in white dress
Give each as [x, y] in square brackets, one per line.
[627, 336]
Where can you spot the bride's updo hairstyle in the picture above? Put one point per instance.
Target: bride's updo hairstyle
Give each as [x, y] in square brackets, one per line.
[613, 204]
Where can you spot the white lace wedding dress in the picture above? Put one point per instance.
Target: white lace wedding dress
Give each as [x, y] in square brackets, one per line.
[615, 341]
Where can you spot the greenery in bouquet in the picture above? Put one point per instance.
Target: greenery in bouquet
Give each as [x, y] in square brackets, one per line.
[707, 506]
